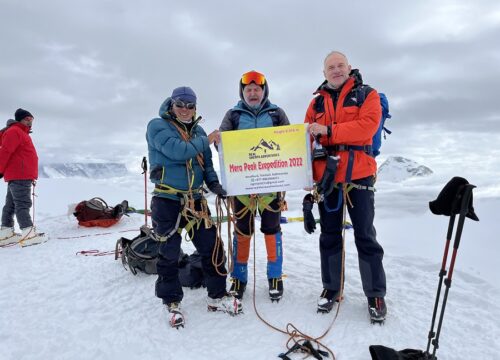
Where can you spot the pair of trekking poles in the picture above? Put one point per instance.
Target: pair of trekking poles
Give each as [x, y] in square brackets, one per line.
[461, 190]
[455, 199]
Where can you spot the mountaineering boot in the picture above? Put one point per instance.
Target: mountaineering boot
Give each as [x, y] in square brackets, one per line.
[227, 303]
[30, 237]
[8, 236]
[176, 319]
[275, 289]
[237, 288]
[377, 309]
[326, 301]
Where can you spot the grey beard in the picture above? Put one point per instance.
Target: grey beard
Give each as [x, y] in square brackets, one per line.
[333, 87]
[255, 108]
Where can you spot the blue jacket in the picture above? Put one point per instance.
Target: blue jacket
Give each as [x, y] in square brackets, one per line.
[248, 119]
[171, 158]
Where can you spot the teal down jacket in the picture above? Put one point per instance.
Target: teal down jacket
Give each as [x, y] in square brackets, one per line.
[168, 154]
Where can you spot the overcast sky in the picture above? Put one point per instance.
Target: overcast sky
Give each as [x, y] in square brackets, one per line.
[94, 72]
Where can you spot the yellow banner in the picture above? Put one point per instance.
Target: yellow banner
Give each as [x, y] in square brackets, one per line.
[265, 160]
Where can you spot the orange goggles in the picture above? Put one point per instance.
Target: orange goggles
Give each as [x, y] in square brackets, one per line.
[253, 77]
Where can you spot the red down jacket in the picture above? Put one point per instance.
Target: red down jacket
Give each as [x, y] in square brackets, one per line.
[18, 157]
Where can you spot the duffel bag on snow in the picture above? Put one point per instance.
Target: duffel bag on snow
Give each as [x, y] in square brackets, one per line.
[96, 212]
[190, 271]
[379, 352]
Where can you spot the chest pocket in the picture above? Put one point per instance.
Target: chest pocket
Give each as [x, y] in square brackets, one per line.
[350, 113]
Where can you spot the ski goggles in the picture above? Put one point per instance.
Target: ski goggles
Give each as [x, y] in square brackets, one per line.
[253, 77]
[181, 105]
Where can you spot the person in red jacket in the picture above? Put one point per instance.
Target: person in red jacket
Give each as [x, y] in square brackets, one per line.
[342, 119]
[19, 168]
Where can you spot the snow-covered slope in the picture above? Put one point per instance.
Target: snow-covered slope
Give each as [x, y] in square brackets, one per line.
[398, 168]
[58, 305]
[86, 170]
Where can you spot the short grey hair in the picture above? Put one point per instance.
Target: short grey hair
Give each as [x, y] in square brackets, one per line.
[334, 52]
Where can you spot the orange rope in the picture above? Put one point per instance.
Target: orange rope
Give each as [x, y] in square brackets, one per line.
[295, 335]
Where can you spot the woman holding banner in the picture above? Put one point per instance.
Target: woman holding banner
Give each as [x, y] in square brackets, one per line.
[180, 162]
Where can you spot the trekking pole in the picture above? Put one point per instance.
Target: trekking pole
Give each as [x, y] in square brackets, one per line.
[442, 274]
[464, 195]
[144, 166]
[464, 208]
[33, 195]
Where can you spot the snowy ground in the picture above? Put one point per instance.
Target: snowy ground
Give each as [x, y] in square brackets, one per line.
[57, 305]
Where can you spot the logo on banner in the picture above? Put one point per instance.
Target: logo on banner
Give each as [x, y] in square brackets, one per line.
[264, 149]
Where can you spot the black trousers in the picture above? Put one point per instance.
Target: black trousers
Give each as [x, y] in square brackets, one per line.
[370, 252]
[165, 213]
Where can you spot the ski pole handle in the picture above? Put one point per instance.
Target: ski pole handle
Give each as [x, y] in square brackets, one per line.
[144, 165]
[464, 208]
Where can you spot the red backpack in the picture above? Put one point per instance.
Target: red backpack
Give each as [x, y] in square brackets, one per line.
[96, 212]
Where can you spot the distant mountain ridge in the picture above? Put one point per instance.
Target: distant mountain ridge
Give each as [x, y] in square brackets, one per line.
[85, 170]
[398, 168]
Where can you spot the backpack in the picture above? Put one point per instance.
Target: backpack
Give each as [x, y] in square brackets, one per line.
[235, 118]
[377, 138]
[7, 125]
[141, 255]
[360, 94]
[96, 212]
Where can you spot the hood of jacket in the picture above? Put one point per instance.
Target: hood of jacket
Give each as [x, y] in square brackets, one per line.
[165, 108]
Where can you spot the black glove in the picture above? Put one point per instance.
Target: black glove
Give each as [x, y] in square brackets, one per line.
[1, 176]
[307, 206]
[327, 182]
[217, 189]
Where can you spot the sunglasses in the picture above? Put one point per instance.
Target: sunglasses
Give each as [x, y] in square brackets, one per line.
[181, 105]
[253, 76]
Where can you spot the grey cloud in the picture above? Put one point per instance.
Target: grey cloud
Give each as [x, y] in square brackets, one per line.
[95, 72]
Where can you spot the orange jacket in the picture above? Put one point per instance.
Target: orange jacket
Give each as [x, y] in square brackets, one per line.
[351, 125]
